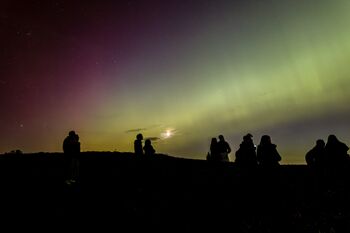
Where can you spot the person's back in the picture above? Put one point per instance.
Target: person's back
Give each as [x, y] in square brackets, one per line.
[223, 148]
[316, 156]
[148, 148]
[138, 145]
[71, 150]
[76, 146]
[267, 153]
[67, 149]
[336, 152]
[214, 150]
[246, 154]
[70, 144]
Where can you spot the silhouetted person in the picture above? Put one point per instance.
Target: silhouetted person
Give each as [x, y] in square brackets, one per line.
[246, 154]
[336, 152]
[213, 155]
[148, 148]
[267, 153]
[138, 145]
[315, 160]
[71, 149]
[224, 149]
[316, 156]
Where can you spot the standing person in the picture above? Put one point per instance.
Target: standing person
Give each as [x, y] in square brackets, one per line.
[267, 153]
[336, 152]
[214, 152]
[148, 148]
[315, 160]
[316, 156]
[138, 145]
[224, 149]
[71, 150]
[246, 154]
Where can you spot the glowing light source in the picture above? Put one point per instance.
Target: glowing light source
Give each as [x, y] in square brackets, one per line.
[167, 134]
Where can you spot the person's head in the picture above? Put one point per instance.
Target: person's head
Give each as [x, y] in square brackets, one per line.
[248, 138]
[72, 133]
[221, 138]
[332, 139]
[265, 139]
[147, 142]
[139, 137]
[320, 143]
[214, 141]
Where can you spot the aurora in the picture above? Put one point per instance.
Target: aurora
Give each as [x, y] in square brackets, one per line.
[179, 71]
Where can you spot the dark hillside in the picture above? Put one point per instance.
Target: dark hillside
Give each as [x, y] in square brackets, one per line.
[117, 190]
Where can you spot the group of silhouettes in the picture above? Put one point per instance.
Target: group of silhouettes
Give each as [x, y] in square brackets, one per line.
[147, 149]
[334, 153]
[247, 155]
[219, 150]
[330, 154]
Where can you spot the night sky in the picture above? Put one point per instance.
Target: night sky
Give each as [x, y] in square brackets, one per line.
[179, 72]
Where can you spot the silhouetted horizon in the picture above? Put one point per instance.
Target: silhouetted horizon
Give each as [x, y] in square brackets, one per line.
[156, 192]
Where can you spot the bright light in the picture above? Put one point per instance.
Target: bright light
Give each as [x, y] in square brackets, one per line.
[167, 134]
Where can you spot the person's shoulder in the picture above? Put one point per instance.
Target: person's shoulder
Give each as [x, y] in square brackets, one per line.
[66, 140]
[312, 151]
[344, 145]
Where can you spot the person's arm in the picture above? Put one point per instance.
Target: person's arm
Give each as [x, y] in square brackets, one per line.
[64, 146]
[228, 148]
[308, 158]
[135, 147]
[278, 156]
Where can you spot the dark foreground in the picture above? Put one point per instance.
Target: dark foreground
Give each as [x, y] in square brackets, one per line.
[119, 192]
